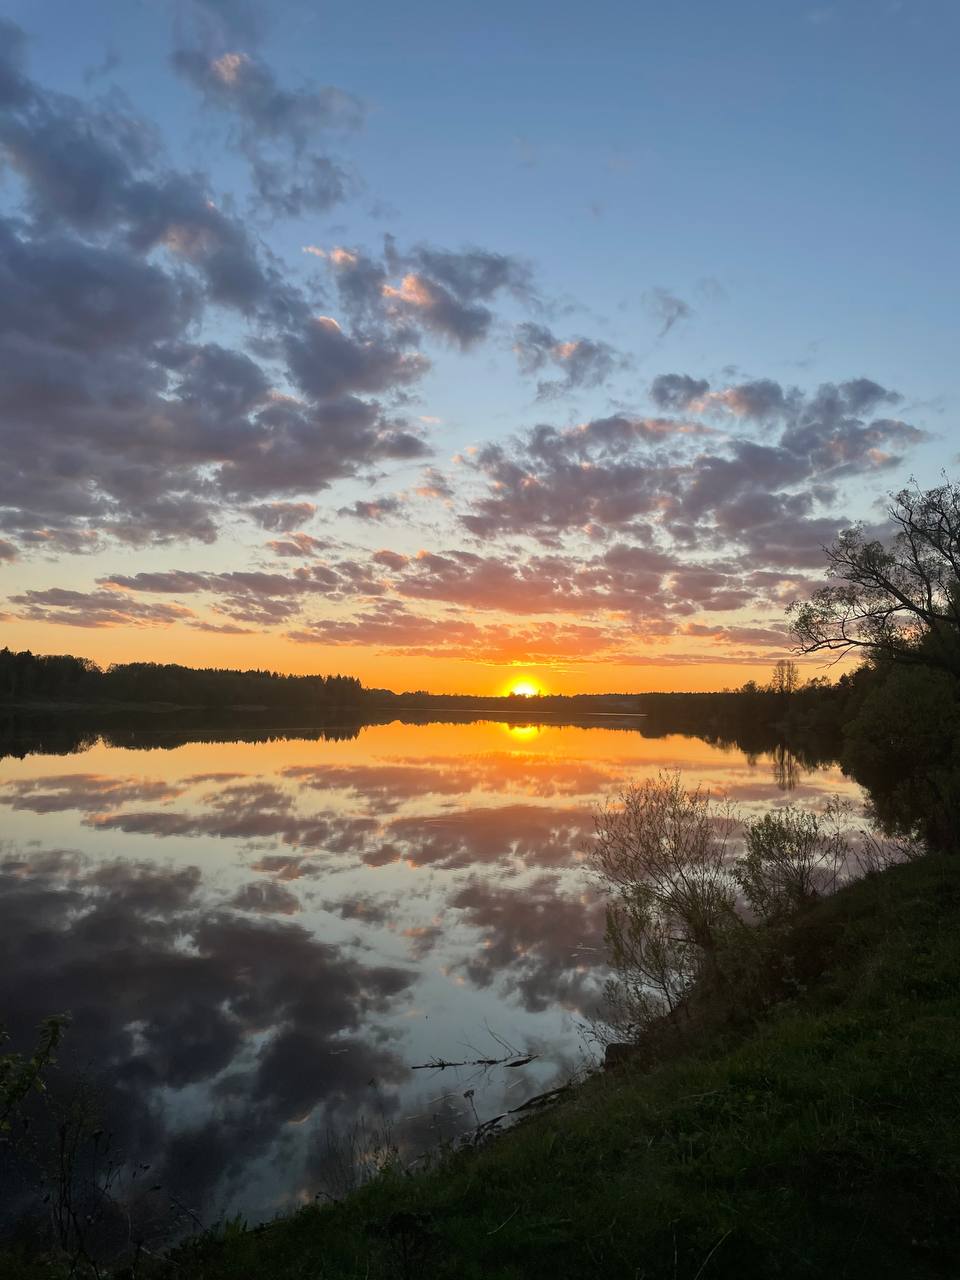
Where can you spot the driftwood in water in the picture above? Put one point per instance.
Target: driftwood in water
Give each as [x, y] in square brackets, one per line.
[511, 1060]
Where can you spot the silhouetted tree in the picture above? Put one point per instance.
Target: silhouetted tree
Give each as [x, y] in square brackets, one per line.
[899, 601]
[785, 678]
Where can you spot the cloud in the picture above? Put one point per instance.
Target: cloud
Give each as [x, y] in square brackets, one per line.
[676, 392]
[63, 607]
[237, 82]
[666, 309]
[249, 1048]
[266, 898]
[441, 291]
[584, 362]
[539, 943]
[244, 596]
[15, 90]
[471, 274]
[391, 627]
[388, 785]
[115, 420]
[435, 484]
[56, 793]
[435, 308]
[533, 835]
[278, 128]
[282, 517]
[327, 363]
[610, 473]
[375, 510]
[300, 545]
[763, 399]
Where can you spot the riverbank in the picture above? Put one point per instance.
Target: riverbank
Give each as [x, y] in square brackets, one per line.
[822, 1138]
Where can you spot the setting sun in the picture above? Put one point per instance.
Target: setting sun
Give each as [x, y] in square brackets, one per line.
[525, 689]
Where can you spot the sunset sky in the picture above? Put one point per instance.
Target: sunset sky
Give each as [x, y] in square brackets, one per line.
[453, 344]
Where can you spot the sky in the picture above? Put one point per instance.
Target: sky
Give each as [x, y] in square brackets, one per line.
[452, 346]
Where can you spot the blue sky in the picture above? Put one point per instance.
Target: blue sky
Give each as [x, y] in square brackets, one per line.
[737, 192]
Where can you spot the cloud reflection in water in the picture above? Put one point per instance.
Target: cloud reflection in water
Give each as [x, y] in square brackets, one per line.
[256, 940]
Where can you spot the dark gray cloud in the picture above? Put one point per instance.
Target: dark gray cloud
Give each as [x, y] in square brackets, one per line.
[302, 448]
[446, 291]
[471, 274]
[373, 510]
[114, 419]
[286, 1038]
[609, 473]
[236, 597]
[245, 85]
[583, 362]
[550, 481]
[762, 399]
[97, 167]
[432, 306]
[266, 898]
[14, 86]
[316, 185]
[675, 392]
[277, 128]
[539, 943]
[326, 362]
[426, 289]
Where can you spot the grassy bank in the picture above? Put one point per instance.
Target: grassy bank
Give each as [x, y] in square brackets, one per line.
[821, 1140]
[824, 1140]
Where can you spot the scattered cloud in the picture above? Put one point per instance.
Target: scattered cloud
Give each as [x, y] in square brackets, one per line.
[583, 362]
[666, 309]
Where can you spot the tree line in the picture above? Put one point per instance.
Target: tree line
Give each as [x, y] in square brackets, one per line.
[26, 677]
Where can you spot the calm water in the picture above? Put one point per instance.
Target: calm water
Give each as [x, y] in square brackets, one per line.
[258, 941]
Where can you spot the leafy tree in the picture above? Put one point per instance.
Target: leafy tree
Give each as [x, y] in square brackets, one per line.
[903, 745]
[899, 601]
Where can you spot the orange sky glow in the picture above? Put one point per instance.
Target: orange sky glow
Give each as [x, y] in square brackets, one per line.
[668, 666]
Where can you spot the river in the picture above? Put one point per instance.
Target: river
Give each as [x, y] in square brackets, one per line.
[258, 941]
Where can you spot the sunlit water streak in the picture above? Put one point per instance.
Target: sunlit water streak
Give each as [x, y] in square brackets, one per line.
[257, 941]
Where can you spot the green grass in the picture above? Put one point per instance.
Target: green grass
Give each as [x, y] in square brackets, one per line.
[820, 1141]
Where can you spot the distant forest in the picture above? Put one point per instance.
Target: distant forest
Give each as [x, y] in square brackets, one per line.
[28, 679]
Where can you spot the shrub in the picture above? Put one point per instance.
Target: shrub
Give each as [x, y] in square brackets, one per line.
[792, 857]
[661, 851]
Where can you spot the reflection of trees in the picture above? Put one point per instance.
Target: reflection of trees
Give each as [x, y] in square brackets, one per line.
[786, 767]
[65, 734]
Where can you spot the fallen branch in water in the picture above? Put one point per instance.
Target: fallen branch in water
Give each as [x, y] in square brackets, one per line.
[538, 1100]
[511, 1060]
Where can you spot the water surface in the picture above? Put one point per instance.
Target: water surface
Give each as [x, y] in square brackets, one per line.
[258, 940]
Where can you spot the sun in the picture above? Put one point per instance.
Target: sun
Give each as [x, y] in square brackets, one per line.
[524, 689]
[523, 732]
